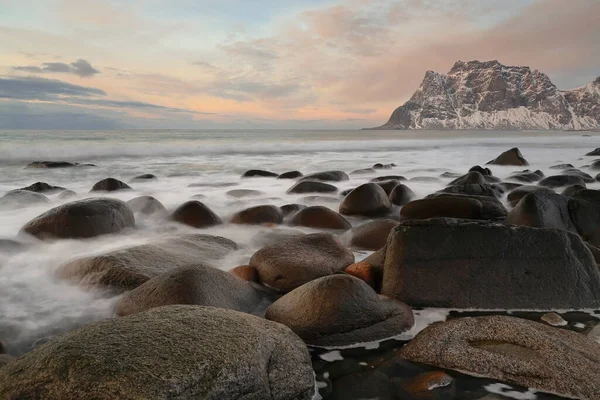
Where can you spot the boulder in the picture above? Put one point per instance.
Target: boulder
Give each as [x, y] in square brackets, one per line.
[291, 175]
[195, 285]
[368, 199]
[195, 214]
[492, 208]
[265, 214]
[556, 181]
[82, 219]
[587, 178]
[144, 177]
[512, 350]
[451, 207]
[43, 187]
[172, 352]
[128, 268]
[526, 177]
[239, 193]
[259, 173]
[147, 205]
[67, 194]
[319, 217]
[370, 236]
[543, 209]
[517, 194]
[340, 310]
[383, 166]
[291, 263]
[481, 170]
[571, 190]
[595, 165]
[401, 195]
[246, 273]
[388, 178]
[290, 209]
[387, 186]
[510, 157]
[595, 152]
[593, 196]
[562, 166]
[312, 187]
[472, 178]
[22, 198]
[56, 164]
[488, 265]
[329, 176]
[487, 189]
[110, 185]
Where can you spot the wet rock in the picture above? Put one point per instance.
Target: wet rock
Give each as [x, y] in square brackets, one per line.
[329, 176]
[194, 285]
[128, 268]
[291, 263]
[526, 177]
[451, 207]
[82, 219]
[595, 152]
[144, 177]
[492, 208]
[512, 350]
[239, 193]
[388, 178]
[67, 194]
[246, 273]
[587, 178]
[434, 385]
[290, 209]
[556, 181]
[319, 217]
[110, 185]
[383, 166]
[340, 310]
[553, 319]
[472, 178]
[363, 171]
[56, 164]
[562, 166]
[571, 190]
[473, 265]
[517, 194]
[168, 352]
[43, 187]
[195, 214]
[365, 272]
[481, 170]
[291, 175]
[22, 198]
[265, 214]
[487, 189]
[312, 187]
[147, 205]
[595, 252]
[451, 175]
[387, 186]
[401, 195]
[543, 209]
[259, 173]
[368, 199]
[370, 236]
[510, 157]
[595, 165]
[274, 235]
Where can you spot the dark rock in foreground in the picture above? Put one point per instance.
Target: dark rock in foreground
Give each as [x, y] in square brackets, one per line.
[291, 263]
[340, 310]
[512, 350]
[82, 219]
[173, 352]
[464, 264]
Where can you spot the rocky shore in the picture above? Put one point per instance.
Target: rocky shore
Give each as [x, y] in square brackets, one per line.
[487, 288]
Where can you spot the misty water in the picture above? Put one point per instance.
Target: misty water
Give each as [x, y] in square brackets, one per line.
[34, 305]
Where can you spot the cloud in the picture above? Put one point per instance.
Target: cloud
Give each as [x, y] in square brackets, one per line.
[132, 104]
[80, 67]
[34, 88]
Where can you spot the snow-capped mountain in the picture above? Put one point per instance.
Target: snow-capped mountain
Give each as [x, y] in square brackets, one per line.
[489, 95]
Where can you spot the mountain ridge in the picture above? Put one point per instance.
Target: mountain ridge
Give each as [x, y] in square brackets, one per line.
[490, 95]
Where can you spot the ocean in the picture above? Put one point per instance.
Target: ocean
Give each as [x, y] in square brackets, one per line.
[35, 306]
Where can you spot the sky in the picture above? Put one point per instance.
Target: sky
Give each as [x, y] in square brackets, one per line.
[303, 64]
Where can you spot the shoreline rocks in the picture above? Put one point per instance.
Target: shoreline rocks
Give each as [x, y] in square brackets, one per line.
[195, 214]
[510, 157]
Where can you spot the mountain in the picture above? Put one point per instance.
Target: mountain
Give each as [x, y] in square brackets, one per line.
[489, 95]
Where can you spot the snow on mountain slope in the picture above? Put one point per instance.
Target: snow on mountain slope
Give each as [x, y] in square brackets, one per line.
[489, 95]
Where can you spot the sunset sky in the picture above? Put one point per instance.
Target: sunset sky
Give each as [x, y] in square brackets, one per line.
[92, 64]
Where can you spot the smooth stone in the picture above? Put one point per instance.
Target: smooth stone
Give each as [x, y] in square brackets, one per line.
[171, 352]
[43, 187]
[553, 319]
[401, 195]
[195, 214]
[488, 189]
[388, 178]
[368, 199]
[510, 157]
[319, 217]
[290, 209]
[472, 178]
[587, 178]
[451, 207]
[383, 166]
[22, 198]
[291, 263]
[517, 194]
[147, 205]
[369, 236]
[56, 164]
[481, 170]
[264, 214]
[312, 187]
[259, 173]
[562, 166]
[340, 310]
[291, 175]
[387, 186]
[67, 194]
[246, 273]
[512, 350]
[109, 185]
[557, 181]
[329, 176]
[82, 219]
[492, 208]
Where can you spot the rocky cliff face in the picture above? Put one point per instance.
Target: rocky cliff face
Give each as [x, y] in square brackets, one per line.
[489, 95]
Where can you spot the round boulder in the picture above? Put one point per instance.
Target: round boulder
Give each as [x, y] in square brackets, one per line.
[312, 187]
[472, 178]
[171, 352]
[572, 190]
[110, 185]
[387, 186]
[67, 194]
[340, 310]
[401, 195]
[517, 194]
[259, 173]
[319, 217]
[195, 285]
[265, 214]
[370, 236]
[512, 350]
[290, 209]
[388, 178]
[368, 199]
[331, 176]
[291, 263]
[490, 190]
[481, 170]
[556, 181]
[147, 205]
[82, 219]
[291, 175]
[195, 214]
[510, 157]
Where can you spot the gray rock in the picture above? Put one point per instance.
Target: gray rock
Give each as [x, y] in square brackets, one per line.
[556, 181]
[195, 214]
[43, 187]
[147, 205]
[512, 350]
[109, 185]
[312, 187]
[259, 173]
[468, 264]
[340, 310]
[329, 176]
[510, 157]
[517, 194]
[369, 236]
[291, 175]
[471, 178]
[401, 194]
[264, 214]
[368, 199]
[488, 189]
[173, 352]
[319, 217]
